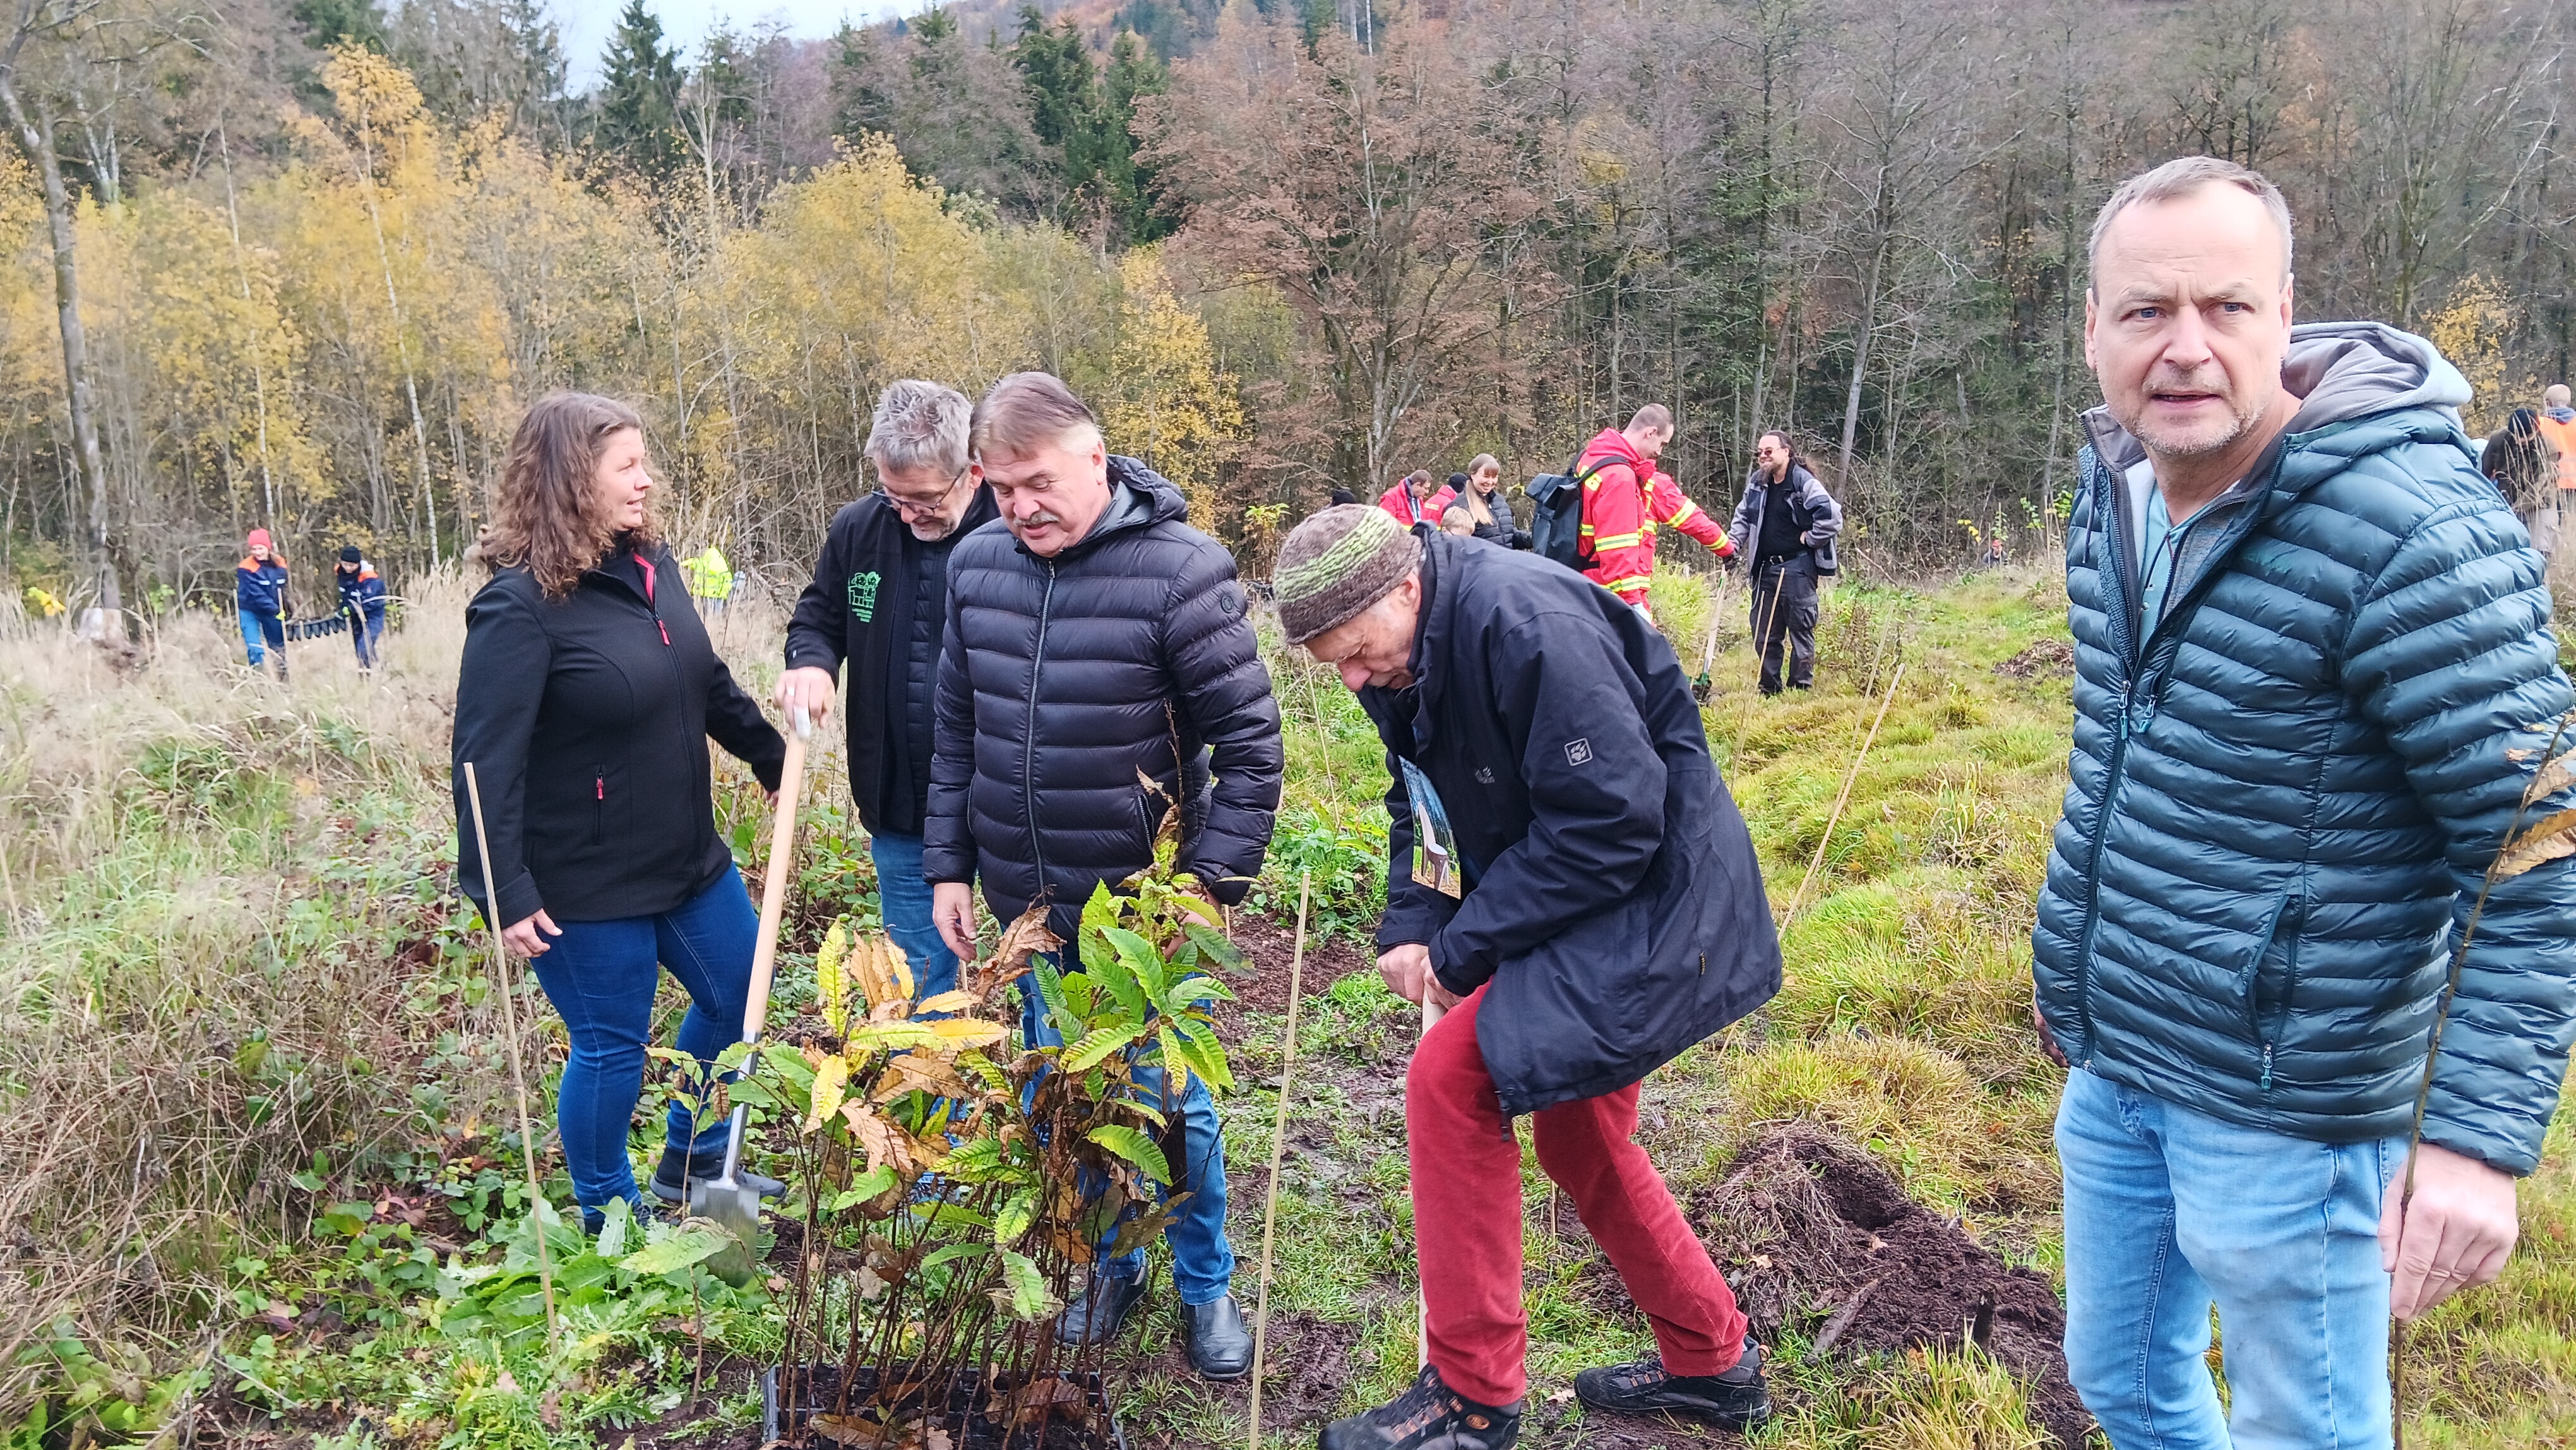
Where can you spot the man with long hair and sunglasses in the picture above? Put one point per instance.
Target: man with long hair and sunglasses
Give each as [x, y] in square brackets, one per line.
[879, 601]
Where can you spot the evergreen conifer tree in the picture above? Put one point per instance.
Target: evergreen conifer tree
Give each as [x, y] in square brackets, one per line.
[639, 94]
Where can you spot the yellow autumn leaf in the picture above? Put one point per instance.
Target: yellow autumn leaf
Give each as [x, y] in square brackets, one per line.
[831, 1082]
[948, 1002]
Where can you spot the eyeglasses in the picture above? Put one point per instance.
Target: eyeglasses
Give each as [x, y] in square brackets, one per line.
[915, 507]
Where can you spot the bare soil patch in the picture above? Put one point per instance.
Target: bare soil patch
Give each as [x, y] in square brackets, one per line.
[2047, 657]
[1818, 1235]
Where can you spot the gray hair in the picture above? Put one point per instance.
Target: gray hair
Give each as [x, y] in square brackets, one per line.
[2181, 177]
[1028, 411]
[919, 426]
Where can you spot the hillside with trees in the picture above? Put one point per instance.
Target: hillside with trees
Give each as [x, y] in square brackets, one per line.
[299, 264]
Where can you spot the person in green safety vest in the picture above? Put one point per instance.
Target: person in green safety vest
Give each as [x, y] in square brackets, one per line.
[710, 579]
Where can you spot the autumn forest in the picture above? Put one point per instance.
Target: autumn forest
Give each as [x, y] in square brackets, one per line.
[299, 265]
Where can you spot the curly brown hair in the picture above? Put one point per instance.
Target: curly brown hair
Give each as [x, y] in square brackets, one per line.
[545, 514]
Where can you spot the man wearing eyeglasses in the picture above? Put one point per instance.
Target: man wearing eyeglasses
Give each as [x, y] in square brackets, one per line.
[880, 600]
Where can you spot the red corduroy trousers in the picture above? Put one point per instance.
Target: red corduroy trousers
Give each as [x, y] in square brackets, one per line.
[1467, 1218]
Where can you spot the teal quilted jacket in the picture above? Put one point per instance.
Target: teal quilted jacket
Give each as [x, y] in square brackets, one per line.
[2284, 792]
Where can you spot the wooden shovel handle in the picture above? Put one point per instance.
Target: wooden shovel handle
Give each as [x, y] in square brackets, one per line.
[773, 890]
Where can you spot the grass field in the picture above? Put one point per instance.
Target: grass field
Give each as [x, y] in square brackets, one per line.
[257, 1163]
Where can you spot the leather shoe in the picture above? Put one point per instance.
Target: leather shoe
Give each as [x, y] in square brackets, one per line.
[1097, 1316]
[1213, 1336]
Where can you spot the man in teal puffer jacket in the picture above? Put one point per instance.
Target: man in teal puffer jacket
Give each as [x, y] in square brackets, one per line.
[2313, 676]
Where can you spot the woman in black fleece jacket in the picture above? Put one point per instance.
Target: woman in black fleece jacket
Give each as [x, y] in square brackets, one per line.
[585, 701]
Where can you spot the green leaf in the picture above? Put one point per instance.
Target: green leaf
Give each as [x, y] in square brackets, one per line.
[1208, 1058]
[1212, 942]
[1096, 1046]
[868, 1185]
[617, 1221]
[1011, 1222]
[1024, 1289]
[1144, 964]
[1135, 1147]
[677, 1252]
[954, 1252]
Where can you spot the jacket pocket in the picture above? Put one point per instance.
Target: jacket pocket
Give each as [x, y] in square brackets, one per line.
[2272, 978]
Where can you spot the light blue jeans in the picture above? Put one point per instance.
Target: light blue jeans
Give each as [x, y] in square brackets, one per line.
[903, 898]
[1202, 1260]
[2171, 1211]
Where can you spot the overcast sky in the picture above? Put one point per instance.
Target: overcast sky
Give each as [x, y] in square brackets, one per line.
[586, 23]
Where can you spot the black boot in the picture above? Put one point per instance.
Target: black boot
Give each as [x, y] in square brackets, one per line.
[1429, 1416]
[680, 1168]
[1213, 1336]
[1735, 1400]
[1096, 1317]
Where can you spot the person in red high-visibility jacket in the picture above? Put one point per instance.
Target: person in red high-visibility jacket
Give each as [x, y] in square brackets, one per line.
[1625, 498]
[1413, 501]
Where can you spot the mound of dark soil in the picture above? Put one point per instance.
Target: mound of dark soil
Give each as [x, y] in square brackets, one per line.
[2048, 657]
[1818, 1236]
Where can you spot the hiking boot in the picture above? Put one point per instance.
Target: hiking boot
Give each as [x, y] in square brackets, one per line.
[1096, 1317]
[1429, 1416]
[1213, 1337]
[681, 1168]
[645, 1216]
[1735, 1400]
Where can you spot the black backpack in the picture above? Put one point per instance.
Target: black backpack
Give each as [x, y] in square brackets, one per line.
[1556, 518]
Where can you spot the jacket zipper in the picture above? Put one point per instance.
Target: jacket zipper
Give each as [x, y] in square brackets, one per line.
[1029, 732]
[2119, 617]
[2135, 681]
[599, 807]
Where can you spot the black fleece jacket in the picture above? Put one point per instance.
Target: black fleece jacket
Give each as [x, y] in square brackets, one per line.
[1065, 680]
[880, 600]
[586, 719]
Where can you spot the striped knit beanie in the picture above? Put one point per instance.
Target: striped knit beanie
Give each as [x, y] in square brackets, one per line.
[1336, 564]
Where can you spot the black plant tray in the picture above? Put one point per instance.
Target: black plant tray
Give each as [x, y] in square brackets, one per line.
[1087, 1426]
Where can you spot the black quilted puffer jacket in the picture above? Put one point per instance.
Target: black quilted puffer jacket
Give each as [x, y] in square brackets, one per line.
[1063, 680]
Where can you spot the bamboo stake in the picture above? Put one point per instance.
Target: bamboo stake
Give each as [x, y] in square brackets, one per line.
[1844, 796]
[1278, 1145]
[518, 1071]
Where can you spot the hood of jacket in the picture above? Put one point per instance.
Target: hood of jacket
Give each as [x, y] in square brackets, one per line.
[2339, 371]
[1612, 444]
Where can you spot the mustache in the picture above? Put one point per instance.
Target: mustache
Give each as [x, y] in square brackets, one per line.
[1031, 521]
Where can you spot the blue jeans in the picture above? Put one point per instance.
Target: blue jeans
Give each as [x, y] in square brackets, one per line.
[903, 897]
[1202, 1260]
[257, 628]
[601, 976]
[2169, 1211]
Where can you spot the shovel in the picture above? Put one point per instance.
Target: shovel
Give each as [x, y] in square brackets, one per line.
[725, 1200]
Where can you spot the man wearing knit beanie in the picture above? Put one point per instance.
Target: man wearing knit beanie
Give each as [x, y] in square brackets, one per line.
[1570, 878]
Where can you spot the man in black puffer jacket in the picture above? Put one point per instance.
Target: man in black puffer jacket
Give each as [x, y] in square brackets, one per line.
[1094, 638]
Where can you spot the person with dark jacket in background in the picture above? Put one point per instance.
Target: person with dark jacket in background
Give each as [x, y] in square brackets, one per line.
[1491, 516]
[2314, 675]
[259, 596]
[2524, 464]
[1568, 875]
[880, 600]
[1788, 521]
[585, 701]
[362, 603]
[1097, 643]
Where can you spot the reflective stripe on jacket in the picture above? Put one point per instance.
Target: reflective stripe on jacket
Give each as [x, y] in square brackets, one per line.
[1622, 502]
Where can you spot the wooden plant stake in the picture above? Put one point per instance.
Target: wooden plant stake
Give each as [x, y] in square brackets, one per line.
[1843, 797]
[1278, 1145]
[518, 1071]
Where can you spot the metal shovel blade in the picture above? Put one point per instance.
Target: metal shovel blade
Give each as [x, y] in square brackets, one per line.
[732, 1208]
